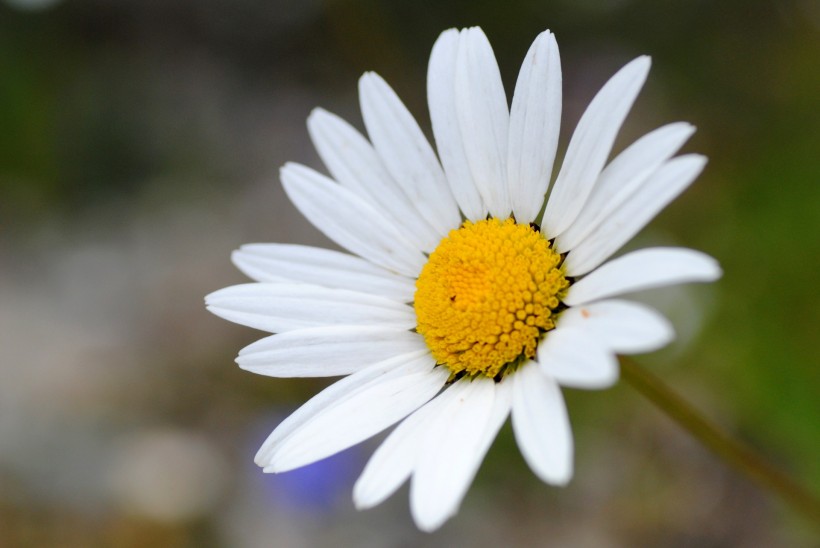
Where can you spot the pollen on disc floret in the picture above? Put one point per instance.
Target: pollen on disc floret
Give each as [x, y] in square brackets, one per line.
[486, 296]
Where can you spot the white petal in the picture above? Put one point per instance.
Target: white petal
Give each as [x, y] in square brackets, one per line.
[535, 121]
[483, 118]
[394, 460]
[330, 396]
[452, 453]
[353, 162]
[350, 221]
[656, 193]
[644, 269]
[406, 153]
[575, 358]
[591, 144]
[623, 177]
[360, 415]
[278, 307]
[313, 265]
[622, 326]
[541, 425]
[326, 351]
[441, 98]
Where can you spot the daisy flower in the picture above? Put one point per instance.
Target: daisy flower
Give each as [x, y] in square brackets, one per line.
[461, 303]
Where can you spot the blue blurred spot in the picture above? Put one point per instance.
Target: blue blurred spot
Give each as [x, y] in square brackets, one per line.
[317, 488]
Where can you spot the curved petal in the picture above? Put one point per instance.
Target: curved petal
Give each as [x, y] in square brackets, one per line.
[656, 193]
[623, 177]
[644, 269]
[349, 220]
[326, 351]
[278, 307]
[483, 118]
[591, 144]
[541, 425]
[441, 98]
[314, 265]
[328, 397]
[452, 453]
[622, 326]
[406, 153]
[535, 121]
[394, 460]
[353, 162]
[361, 415]
[575, 358]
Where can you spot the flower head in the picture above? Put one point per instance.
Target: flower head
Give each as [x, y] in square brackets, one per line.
[461, 304]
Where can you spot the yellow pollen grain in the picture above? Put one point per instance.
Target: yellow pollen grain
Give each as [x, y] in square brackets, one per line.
[486, 296]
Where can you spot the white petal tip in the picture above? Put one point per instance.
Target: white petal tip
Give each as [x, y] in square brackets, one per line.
[430, 524]
[317, 112]
[560, 480]
[362, 501]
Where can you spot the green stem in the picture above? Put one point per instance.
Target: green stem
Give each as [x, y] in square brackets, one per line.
[734, 452]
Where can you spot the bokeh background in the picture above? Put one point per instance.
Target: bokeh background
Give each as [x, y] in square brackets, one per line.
[140, 143]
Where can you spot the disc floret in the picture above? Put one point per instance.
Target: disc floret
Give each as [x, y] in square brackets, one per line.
[487, 295]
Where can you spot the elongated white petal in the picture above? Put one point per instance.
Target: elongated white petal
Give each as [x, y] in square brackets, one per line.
[314, 265]
[394, 460]
[353, 162]
[359, 416]
[575, 358]
[502, 403]
[535, 121]
[483, 118]
[644, 269]
[326, 351]
[591, 144]
[623, 177]
[406, 153]
[656, 193]
[336, 392]
[441, 98]
[452, 453]
[278, 307]
[350, 221]
[541, 425]
[622, 326]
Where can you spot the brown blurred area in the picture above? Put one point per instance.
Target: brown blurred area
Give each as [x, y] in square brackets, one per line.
[140, 143]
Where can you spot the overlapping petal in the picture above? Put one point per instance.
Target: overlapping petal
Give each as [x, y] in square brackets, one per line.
[326, 398]
[535, 122]
[575, 358]
[354, 163]
[394, 460]
[326, 351]
[644, 269]
[325, 267]
[350, 221]
[622, 326]
[278, 307]
[483, 118]
[441, 98]
[406, 153]
[393, 390]
[591, 144]
[623, 177]
[662, 187]
[452, 452]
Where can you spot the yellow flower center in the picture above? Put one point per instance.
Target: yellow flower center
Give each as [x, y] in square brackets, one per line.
[486, 296]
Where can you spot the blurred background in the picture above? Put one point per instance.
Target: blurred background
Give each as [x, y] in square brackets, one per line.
[140, 143]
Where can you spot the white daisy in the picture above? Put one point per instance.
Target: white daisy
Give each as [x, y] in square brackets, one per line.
[456, 309]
